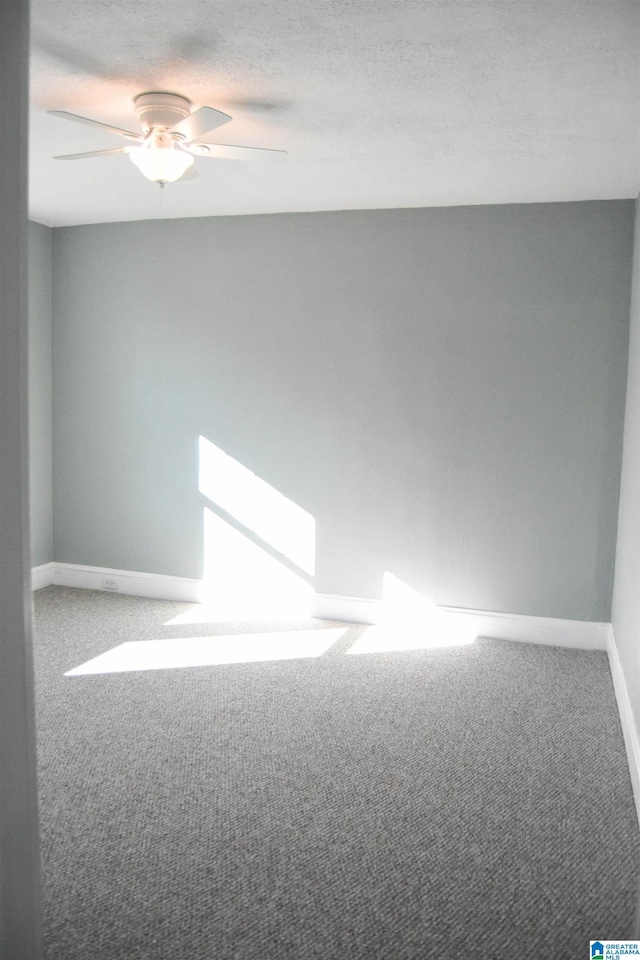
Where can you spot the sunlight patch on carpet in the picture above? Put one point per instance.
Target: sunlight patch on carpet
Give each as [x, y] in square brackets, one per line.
[409, 621]
[210, 651]
[426, 635]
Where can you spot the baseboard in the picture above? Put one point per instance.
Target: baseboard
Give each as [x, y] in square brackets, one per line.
[42, 576]
[552, 631]
[328, 606]
[627, 722]
[155, 585]
[583, 635]
[580, 634]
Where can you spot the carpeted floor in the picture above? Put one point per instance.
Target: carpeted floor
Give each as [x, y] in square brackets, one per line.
[455, 802]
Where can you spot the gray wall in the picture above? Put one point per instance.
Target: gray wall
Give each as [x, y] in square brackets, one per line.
[442, 389]
[40, 393]
[626, 594]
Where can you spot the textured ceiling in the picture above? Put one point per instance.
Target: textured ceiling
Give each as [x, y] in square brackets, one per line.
[379, 103]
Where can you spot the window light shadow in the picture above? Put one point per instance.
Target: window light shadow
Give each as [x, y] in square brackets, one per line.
[408, 621]
[169, 654]
[242, 581]
[258, 506]
[259, 556]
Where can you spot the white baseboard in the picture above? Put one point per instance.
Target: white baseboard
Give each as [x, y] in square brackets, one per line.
[155, 585]
[580, 634]
[42, 576]
[627, 722]
[583, 635]
[328, 606]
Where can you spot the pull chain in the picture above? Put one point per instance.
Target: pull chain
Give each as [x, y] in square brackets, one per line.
[161, 196]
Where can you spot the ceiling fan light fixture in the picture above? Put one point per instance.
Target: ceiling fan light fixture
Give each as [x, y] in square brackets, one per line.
[170, 140]
[161, 164]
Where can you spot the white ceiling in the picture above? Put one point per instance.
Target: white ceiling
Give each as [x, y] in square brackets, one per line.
[379, 103]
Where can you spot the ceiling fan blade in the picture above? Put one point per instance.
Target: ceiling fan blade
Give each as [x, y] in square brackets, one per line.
[200, 122]
[226, 151]
[190, 174]
[93, 153]
[96, 123]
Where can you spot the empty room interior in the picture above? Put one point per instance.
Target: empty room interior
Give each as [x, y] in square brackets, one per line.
[334, 418]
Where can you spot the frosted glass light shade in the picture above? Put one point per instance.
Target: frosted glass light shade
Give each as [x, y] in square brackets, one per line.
[161, 164]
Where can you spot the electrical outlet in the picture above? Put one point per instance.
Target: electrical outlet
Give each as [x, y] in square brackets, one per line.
[109, 583]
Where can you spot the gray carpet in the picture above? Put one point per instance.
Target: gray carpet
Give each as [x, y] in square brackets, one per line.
[462, 802]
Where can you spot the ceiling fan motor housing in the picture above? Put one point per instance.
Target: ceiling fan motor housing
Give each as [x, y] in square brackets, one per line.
[162, 110]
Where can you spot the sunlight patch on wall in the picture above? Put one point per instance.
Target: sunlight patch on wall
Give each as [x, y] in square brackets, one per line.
[183, 652]
[408, 621]
[257, 505]
[401, 603]
[244, 582]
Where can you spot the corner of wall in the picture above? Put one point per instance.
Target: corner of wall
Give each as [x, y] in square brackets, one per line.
[627, 720]
[40, 393]
[625, 612]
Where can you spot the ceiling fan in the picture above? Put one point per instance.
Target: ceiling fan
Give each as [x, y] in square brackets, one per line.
[165, 150]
